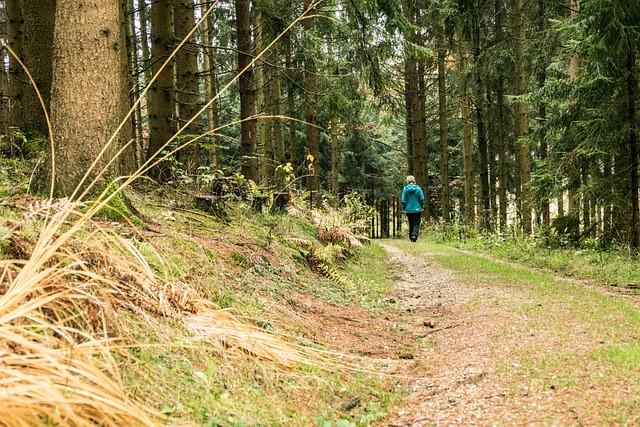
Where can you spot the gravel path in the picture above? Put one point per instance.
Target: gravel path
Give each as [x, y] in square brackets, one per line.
[422, 284]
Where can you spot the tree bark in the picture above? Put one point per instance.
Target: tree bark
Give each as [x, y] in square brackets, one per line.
[277, 125]
[311, 111]
[17, 76]
[291, 103]
[187, 85]
[465, 114]
[210, 84]
[500, 128]
[420, 138]
[89, 90]
[409, 65]
[134, 76]
[442, 121]
[574, 6]
[484, 210]
[263, 140]
[248, 127]
[4, 105]
[542, 113]
[586, 208]
[633, 148]
[521, 112]
[143, 11]
[38, 44]
[161, 92]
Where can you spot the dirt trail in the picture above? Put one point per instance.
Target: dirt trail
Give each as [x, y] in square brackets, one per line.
[471, 341]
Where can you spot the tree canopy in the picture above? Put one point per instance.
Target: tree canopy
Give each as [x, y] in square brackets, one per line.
[510, 114]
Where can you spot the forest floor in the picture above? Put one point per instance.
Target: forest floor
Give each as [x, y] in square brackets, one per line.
[483, 348]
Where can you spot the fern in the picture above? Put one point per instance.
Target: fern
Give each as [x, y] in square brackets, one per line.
[332, 273]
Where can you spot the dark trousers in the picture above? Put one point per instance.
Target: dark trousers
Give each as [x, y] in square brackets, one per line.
[414, 225]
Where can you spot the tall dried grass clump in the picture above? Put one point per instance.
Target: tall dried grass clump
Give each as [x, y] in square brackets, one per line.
[62, 335]
[51, 371]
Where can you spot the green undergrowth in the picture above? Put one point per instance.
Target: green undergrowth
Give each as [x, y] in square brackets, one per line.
[254, 266]
[257, 265]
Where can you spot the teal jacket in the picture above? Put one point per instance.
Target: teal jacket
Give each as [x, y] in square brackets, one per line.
[412, 199]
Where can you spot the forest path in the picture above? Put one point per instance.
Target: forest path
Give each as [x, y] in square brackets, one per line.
[494, 352]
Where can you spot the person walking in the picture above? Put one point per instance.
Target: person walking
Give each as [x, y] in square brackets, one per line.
[413, 205]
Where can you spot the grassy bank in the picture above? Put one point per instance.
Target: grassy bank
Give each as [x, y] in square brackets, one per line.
[193, 317]
[615, 266]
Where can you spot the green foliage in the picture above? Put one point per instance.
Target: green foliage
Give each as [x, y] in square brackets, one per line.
[616, 265]
[19, 144]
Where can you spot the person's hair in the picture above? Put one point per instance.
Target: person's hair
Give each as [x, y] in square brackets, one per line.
[411, 179]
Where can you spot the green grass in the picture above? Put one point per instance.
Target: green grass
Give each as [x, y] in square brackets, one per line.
[369, 277]
[617, 266]
[627, 354]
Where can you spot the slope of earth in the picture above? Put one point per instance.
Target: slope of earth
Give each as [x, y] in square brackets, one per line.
[496, 345]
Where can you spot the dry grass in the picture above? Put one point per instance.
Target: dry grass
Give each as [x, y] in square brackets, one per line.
[60, 326]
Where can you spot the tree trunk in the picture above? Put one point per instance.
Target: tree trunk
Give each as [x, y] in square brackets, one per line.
[574, 6]
[134, 75]
[89, 90]
[38, 43]
[334, 125]
[633, 148]
[187, 85]
[542, 113]
[574, 65]
[311, 111]
[444, 138]
[17, 76]
[586, 208]
[420, 139]
[143, 11]
[500, 129]
[4, 107]
[484, 210]
[414, 70]
[521, 112]
[277, 125]
[335, 162]
[248, 127]
[291, 104]
[469, 197]
[210, 85]
[409, 72]
[608, 209]
[161, 92]
[263, 140]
